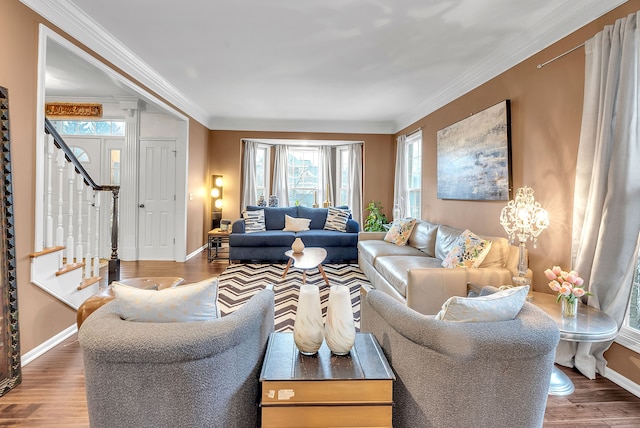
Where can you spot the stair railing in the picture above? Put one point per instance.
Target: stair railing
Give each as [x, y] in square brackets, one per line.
[87, 192]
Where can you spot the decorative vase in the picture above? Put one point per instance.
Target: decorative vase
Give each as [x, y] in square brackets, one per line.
[308, 331]
[297, 246]
[273, 201]
[569, 308]
[340, 330]
[261, 202]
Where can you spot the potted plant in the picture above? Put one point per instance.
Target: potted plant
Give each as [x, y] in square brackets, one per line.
[376, 220]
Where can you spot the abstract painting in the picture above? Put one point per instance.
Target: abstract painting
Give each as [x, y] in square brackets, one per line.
[474, 156]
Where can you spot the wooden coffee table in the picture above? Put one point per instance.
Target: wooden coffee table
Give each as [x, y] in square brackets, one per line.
[310, 258]
[590, 325]
[353, 390]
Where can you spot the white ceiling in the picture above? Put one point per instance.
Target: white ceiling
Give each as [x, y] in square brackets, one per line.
[312, 65]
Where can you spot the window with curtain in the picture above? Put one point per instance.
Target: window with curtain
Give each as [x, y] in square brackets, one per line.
[414, 174]
[342, 176]
[263, 163]
[303, 175]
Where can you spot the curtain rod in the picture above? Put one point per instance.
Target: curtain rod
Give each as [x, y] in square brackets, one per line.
[560, 56]
[414, 131]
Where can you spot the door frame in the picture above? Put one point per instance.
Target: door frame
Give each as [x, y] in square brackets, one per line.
[46, 36]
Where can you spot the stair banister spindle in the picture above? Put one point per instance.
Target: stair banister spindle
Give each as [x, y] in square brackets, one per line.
[79, 248]
[87, 254]
[61, 163]
[49, 177]
[96, 257]
[70, 242]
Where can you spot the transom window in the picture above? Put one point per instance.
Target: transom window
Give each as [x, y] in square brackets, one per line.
[83, 127]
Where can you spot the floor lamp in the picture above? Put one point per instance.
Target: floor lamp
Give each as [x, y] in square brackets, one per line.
[524, 218]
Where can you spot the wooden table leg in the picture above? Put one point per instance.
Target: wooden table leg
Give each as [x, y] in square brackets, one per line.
[286, 269]
[304, 276]
[324, 275]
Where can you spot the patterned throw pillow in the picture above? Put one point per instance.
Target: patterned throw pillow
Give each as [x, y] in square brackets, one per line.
[400, 231]
[469, 251]
[191, 302]
[337, 219]
[502, 305]
[293, 224]
[254, 221]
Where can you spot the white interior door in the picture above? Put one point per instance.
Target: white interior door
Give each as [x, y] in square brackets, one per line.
[157, 200]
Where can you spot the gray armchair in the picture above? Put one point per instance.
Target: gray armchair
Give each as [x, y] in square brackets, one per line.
[190, 374]
[453, 374]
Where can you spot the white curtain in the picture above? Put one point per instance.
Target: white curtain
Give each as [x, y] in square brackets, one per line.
[355, 181]
[249, 192]
[280, 165]
[606, 218]
[326, 175]
[401, 184]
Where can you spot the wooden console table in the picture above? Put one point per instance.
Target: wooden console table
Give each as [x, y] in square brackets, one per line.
[324, 389]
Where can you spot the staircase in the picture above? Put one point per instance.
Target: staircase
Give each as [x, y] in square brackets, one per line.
[66, 262]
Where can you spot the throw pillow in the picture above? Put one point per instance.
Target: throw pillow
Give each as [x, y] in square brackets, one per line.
[293, 224]
[337, 219]
[254, 221]
[469, 251]
[502, 305]
[191, 302]
[400, 231]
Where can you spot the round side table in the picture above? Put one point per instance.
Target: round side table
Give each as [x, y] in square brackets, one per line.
[590, 325]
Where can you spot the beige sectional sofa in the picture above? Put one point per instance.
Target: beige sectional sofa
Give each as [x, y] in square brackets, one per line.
[414, 275]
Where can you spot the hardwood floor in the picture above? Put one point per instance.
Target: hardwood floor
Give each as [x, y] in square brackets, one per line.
[52, 392]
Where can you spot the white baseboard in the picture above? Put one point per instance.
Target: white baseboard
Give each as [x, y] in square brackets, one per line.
[196, 252]
[622, 381]
[47, 345]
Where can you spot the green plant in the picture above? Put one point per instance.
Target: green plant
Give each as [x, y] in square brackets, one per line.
[376, 220]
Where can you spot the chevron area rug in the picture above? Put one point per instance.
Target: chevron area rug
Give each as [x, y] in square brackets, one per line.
[241, 281]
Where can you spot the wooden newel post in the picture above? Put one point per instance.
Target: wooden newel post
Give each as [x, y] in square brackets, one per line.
[114, 262]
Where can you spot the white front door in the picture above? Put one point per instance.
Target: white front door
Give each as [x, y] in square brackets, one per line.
[156, 236]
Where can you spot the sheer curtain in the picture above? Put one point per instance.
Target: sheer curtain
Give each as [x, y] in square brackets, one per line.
[401, 184]
[355, 181]
[280, 165]
[606, 219]
[326, 175]
[249, 196]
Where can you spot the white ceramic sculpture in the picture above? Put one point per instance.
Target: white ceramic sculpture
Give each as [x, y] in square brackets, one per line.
[297, 246]
[308, 331]
[340, 330]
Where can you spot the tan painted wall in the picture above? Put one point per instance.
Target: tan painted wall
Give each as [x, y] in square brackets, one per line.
[225, 157]
[546, 112]
[41, 316]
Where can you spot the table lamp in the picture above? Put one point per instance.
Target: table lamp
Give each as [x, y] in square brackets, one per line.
[525, 218]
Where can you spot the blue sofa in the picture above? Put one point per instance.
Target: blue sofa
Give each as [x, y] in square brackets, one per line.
[271, 244]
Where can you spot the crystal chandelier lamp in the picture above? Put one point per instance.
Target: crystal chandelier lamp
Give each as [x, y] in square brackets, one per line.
[525, 219]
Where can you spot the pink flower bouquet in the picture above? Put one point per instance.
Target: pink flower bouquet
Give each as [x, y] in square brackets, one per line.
[569, 285]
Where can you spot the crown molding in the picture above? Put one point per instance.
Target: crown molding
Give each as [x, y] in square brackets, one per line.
[551, 28]
[322, 126]
[69, 18]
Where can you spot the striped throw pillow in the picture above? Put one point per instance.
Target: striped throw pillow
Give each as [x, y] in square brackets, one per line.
[254, 221]
[337, 219]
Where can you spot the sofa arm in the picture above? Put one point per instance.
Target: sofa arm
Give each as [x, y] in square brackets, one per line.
[237, 226]
[353, 226]
[428, 289]
[365, 236]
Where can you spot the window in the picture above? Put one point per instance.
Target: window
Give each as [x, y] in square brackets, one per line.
[114, 167]
[302, 175]
[342, 175]
[414, 170]
[82, 127]
[629, 335]
[263, 162]
[80, 154]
